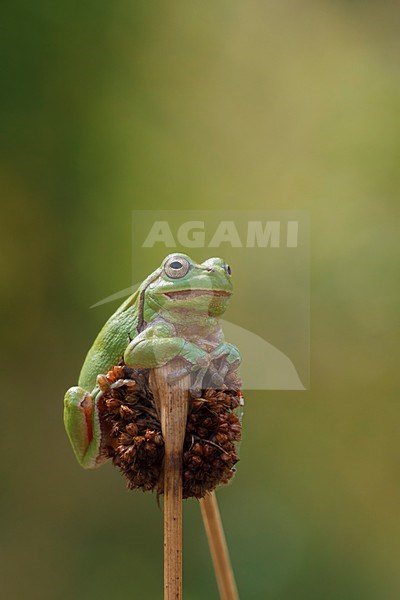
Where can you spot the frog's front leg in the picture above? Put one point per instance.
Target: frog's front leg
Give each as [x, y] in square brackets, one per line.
[82, 424]
[156, 346]
[231, 360]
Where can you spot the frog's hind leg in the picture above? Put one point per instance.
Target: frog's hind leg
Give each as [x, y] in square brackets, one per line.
[82, 424]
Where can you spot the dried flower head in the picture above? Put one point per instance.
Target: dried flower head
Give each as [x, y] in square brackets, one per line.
[134, 441]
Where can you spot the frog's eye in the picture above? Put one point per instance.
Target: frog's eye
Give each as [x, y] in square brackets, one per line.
[177, 267]
[227, 269]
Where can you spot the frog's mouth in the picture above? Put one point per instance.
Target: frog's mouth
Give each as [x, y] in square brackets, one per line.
[189, 294]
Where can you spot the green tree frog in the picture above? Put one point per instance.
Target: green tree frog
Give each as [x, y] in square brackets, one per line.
[173, 314]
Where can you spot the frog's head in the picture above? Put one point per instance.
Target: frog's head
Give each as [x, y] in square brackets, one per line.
[184, 286]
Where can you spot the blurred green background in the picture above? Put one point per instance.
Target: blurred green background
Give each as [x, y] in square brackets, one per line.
[108, 107]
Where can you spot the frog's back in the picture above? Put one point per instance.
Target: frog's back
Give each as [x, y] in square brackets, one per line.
[110, 344]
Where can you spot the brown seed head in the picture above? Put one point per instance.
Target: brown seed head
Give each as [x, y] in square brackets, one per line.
[134, 441]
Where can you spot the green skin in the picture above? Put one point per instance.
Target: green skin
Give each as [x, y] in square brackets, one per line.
[173, 314]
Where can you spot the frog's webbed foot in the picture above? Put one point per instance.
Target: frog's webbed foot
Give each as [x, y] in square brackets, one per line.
[176, 375]
[224, 369]
[217, 378]
[196, 387]
[229, 360]
[129, 383]
[103, 385]
[201, 372]
[214, 365]
[193, 364]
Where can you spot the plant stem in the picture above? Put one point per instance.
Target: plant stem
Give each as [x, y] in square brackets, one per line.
[218, 546]
[172, 402]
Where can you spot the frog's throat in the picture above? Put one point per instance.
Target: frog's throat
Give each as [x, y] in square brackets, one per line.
[178, 313]
[187, 318]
